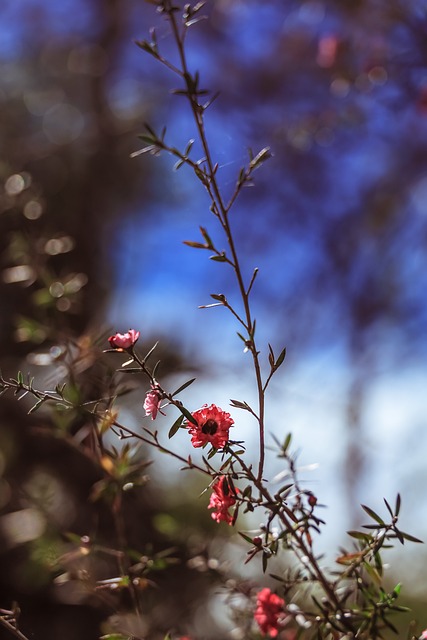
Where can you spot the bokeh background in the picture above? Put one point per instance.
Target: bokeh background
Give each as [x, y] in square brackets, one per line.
[91, 242]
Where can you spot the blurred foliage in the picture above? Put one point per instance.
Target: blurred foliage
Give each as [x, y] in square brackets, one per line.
[340, 90]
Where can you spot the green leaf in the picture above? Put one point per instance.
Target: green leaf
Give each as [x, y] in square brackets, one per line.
[206, 237]
[389, 625]
[408, 536]
[390, 510]
[240, 405]
[150, 139]
[287, 442]
[359, 535]
[264, 562]
[273, 575]
[226, 463]
[115, 636]
[260, 157]
[399, 536]
[373, 573]
[220, 258]
[378, 563]
[195, 245]
[247, 491]
[398, 504]
[280, 359]
[187, 414]
[176, 426]
[183, 386]
[372, 514]
[245, 537]
[147, 47]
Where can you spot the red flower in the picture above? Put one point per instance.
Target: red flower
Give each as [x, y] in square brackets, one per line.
[269, 609]
[152, 402]
[124, 340]
[212, 426]
[221, 500]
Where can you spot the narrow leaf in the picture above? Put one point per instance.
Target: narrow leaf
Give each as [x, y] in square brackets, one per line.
[36, 406]
[263, 155]
[408, 536]
[187, 414]
[188, 147]
[264, 562]
[176, 426]
[359, 535]
[390, 510]
[183, 386]
[398, 504]
[372, 514]
[151, 351]
[287, 442]
[206, 237]
[245, 537]
[240, 405]
[280, 359]
[178, 164]
[195, 245]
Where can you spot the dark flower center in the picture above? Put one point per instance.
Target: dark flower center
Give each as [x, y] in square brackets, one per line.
[210, 427]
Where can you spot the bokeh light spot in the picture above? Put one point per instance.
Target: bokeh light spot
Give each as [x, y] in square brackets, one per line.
[33, 210]
[378, 75]
[55, 246]
[20, 273]
[22, 526]
[340, 87]
[63, 123]
[15, 184]
[56, 289]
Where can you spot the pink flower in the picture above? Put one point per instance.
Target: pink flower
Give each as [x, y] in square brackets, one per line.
[269, 610]
[212, 426]
[221, 500]
[124, 340]
[152, 402]
[423, 636]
